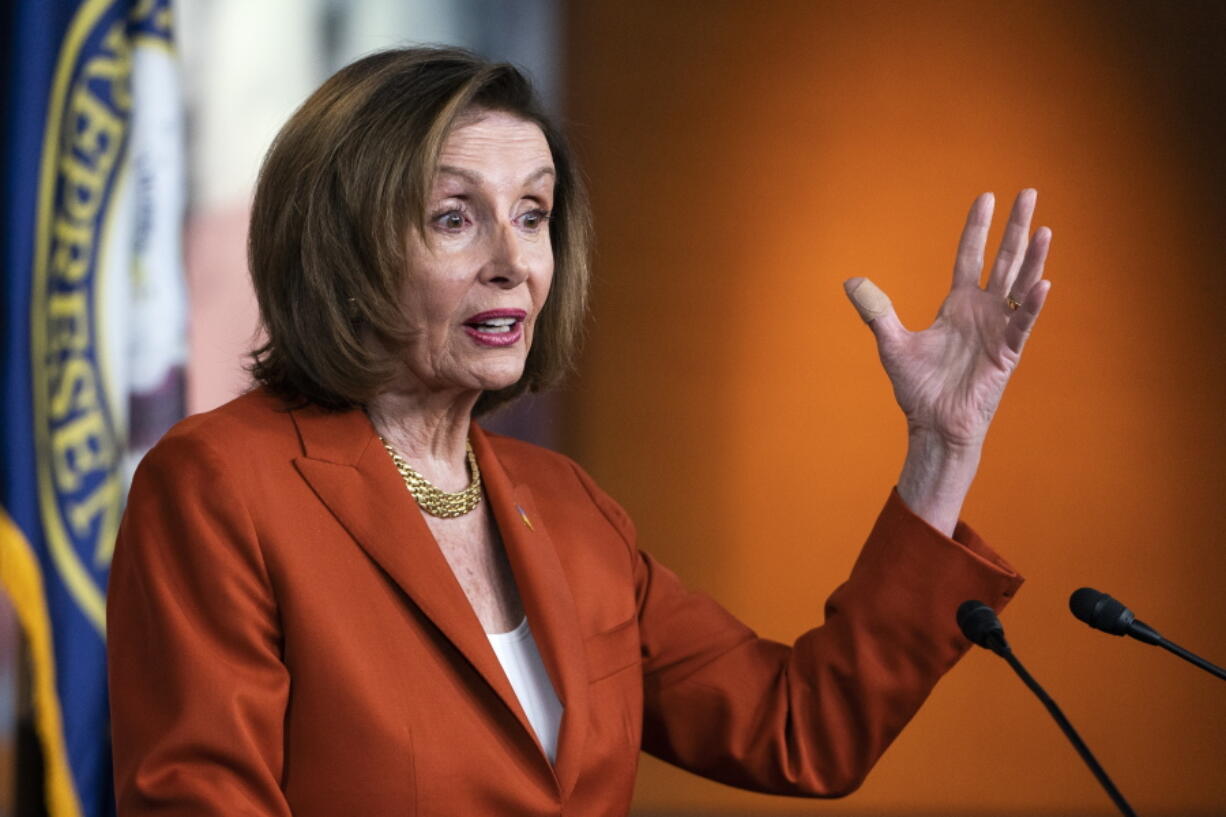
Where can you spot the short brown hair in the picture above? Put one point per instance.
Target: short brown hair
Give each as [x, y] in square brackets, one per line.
[344, 180]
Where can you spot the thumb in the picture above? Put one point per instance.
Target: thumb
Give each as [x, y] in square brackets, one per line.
[875, 308]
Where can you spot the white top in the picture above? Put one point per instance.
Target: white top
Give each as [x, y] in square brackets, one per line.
[521, 661]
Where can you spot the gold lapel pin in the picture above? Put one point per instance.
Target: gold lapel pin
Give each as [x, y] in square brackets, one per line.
[524, 516]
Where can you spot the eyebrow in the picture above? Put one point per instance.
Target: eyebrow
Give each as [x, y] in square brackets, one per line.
[476, 178]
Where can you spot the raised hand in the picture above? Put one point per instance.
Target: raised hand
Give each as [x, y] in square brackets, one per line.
[949, 378]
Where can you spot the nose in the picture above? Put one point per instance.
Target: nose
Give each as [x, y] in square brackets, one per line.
[508, 265]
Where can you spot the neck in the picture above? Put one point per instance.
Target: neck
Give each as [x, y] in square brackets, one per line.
[429, 430]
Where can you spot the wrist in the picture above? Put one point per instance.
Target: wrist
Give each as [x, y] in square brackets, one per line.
[942, 448]
[935, 478]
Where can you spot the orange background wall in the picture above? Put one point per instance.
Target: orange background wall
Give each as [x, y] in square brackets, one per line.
[744, 159]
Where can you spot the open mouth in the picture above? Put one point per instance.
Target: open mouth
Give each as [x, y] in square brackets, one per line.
[497, 327]
[494, 325]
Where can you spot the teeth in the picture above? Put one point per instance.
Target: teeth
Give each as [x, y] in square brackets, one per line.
[496, 325]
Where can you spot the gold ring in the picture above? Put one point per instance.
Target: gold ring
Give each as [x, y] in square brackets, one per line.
[1013, 303]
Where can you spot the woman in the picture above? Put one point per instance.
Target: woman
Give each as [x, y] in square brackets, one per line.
[338, 595]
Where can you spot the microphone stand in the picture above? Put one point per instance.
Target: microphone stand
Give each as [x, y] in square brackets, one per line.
[1002, 649]
[1191, 657]
[978, 622]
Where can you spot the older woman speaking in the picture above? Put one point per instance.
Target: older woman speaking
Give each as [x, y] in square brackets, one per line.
[338, 595]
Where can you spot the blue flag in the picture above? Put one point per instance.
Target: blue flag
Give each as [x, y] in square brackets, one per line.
[92, 336]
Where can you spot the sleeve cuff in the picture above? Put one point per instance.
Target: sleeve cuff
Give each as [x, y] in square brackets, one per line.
[966, 547]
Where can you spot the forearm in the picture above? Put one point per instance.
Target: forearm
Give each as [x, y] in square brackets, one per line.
[812, 720]
[935, 479]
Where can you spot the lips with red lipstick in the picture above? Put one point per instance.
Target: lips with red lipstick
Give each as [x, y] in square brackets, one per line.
[497, 327]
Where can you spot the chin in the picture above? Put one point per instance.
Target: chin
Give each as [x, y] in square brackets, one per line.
[498, 378]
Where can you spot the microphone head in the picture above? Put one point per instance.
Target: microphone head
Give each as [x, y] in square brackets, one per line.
[1100, 611]
[980, 625]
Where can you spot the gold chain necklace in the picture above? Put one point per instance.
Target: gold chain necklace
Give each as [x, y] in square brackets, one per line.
[435, 501]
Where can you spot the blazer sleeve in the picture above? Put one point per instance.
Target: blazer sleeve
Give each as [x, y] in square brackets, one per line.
[812, 718]
[197, 687]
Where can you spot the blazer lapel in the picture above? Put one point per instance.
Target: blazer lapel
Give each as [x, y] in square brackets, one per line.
[547, 599]
[351, 473]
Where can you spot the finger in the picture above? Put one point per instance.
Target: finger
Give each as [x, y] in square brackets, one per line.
[1013, 244]
[969, 262]
[875, 309]
[1032, 264]
[1023, 319]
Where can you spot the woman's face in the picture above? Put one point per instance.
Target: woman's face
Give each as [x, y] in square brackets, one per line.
[478, 277]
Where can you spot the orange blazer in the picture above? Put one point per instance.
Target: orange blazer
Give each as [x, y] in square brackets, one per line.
[285, 637]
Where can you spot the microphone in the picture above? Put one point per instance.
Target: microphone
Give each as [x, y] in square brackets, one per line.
[980, 624]
[1104, 613]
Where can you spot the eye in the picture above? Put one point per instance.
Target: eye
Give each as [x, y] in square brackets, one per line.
[534, 220]
[450, 221]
